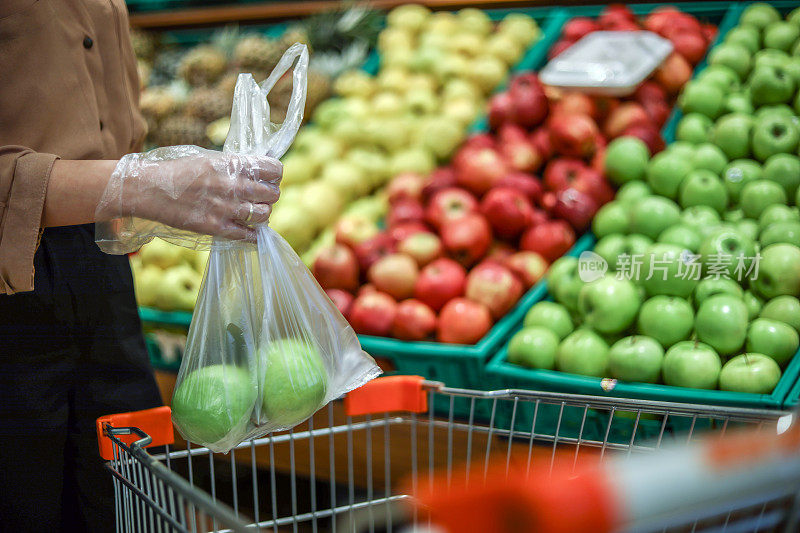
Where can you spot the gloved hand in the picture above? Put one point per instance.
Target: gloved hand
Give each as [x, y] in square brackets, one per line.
[179, 192]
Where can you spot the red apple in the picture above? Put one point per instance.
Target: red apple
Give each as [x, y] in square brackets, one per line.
[648, 134]
[404, 230]
[659, 18]
[577, 27]
[709, 31]
[516, 148]
[449, 204]
[494, 286]
[529, 100]
[501, 110]
[605, 105]
[341, 299]
[499, 251]
[562, 174]
[424, 247]
[372, 249]
[373, 314]
[507, 210]
[598, 162]
[624, 116]
[539, 216]
[681, 23]
[439, 282]
[352, 230]
[619, 24]
[648, 91]
[394, 274]
[405, 186]
[481, 140]
[478, 169]
[441, 178]
[467, 239]
[528, 267]
[366, 289]
[573, 135]
[336, 267]
[673, 73]
[576, 207]
[405, 210]
[524, 183]
[558, 47]
[551, 240]
[541, 140]
[463, 321]
[620, 11]
[657, 111]
[575, 103]
[690, 44]
[413, 321]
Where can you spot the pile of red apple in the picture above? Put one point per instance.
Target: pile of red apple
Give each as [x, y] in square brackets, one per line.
[459, 249]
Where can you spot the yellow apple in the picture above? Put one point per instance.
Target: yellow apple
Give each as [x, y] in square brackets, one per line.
[161, 254]
[178, 288]
[145, 284]
[322, 202]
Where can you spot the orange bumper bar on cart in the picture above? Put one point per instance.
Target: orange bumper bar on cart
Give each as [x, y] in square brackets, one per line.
[156, 422]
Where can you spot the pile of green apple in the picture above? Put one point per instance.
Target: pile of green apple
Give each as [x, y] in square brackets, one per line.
[167, 276]
[224, 403]
[437, 70]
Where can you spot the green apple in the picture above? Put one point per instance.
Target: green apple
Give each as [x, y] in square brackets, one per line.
[703, 187]
[723, 77]
[611, 218]
[781, 35]
[702, 97]
[777, 213]
[629, 194]
[769, 57]
[702, 219]
[709, 157]
[713, 287]
[733, 215]
[747, 227]
[564, 282]
[794, 16]
[785, 170]
[694, 128]
[609, 305]
[213, 403]
[726, 251]
[774, 134]
[666, 171]
[746, 36]
[732, 55]
[738, 102]
[778, 271]
[691, 364]
[533, 347]
[668, 269]
[771, 110]
[667, 319]
[750, 372]
[626, 159]
[681, 235]
[792, 67]
[771, 85]
[636, 358]
[294, 381]
[721, 322]
[552, 316]
[753, 303]
[737, 174]
[611, 248]
[781, 232]
[654, 214]
[783, 308]
[773, 338]
[758, 195]
[583, 352]
[731, 133]
[759, 15]
[680, 149]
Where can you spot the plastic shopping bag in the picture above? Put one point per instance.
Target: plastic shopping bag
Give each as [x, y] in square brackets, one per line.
[266, 347]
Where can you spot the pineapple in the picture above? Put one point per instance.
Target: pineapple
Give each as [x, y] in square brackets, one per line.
[157, 103]
[257, 54]
[180, 129]
[165, 66]
[227, 84]
[294, 35]
[208, 104]
[202, 65]
[318, 88]
[144, 44]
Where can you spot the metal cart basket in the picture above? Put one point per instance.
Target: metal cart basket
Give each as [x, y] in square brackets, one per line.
[353, 466]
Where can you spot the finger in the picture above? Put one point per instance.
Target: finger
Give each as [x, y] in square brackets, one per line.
[257, 193]
[266, 170]
[230, 229]
[250, 214]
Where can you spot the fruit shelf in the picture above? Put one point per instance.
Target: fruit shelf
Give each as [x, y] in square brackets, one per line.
[793, 398]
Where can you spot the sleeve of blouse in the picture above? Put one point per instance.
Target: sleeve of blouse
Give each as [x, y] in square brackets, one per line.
[24, 175]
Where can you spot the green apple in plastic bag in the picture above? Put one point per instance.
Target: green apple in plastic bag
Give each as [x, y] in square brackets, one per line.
[294, 382]
[214, 400]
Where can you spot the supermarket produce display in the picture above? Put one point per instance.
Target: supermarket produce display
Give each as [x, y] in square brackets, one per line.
[436, 210]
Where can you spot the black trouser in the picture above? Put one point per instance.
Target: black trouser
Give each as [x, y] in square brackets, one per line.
[70, 351]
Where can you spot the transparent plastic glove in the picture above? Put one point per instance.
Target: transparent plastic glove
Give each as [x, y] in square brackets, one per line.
[192, 191]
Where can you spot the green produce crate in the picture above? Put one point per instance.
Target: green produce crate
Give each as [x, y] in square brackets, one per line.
[793, 398]
[619, 427]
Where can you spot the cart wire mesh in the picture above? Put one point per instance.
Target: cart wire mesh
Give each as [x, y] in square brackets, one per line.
[338, 472]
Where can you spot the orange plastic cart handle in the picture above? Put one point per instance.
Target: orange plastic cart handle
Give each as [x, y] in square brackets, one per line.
[156, 422]
[387, 394]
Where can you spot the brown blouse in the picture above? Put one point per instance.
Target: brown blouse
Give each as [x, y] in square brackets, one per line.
[68, 89]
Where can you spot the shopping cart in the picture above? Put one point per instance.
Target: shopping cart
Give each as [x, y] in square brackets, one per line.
[354, 466]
